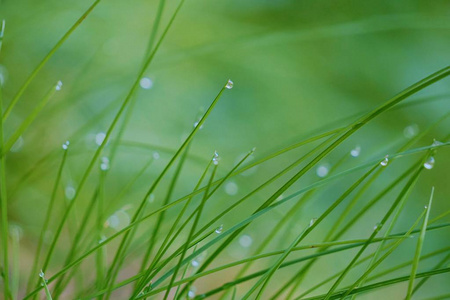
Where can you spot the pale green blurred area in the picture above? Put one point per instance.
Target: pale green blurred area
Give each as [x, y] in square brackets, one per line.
[299, 67]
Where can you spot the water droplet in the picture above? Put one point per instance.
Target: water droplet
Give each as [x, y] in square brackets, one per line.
[313, 220]
[377, 226]
[104, 165]
[231, 188]
[99, 138]
[18, 145]
[119, 220]
[219, 229]
[58, 85]
[355, 151]
[146, 83]
[65, 146]
[41, 274]
[102, 239]
[195, 263]
[216, 158]
[436, 143]
[151, 198]
[426, 207]
[245, 241]
[191, 293]
[411, 131]
[69, 192]
[385, 161]
[196, 124]
[156, 155]
[229, 84]
[429, 164]
[322, 170]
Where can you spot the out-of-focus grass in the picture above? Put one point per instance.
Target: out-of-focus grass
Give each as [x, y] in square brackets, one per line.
[299, 68]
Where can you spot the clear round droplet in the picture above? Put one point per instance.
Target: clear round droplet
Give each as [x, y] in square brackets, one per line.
[196, 124]
[229, 84]
[216, 158]
[377, 226]
[425, 206]
[429, 164]
[322, 170]
[313, 220]
[411, 131]
[146, 83]
[41, 274]
[156, 155]
[195, 263]
[355, 151]
[104, 165]
[385, 161]
[119, 220]
[231, 188]
[65, 146]
[192, 293]
[58, 85]
[245, 241]
[151, 198]
[219, 229]
[99, 138]
[69, 192]
[436, 143]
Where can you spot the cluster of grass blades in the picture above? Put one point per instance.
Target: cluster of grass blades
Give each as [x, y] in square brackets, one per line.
[168, 265]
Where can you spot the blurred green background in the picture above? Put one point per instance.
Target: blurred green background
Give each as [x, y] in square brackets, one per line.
[299, 67]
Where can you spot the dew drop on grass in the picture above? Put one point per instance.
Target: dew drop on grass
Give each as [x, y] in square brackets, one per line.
[104, 165]
[58, 86]
[231, 188]
[192, 292]
[385, 161]
[219, 229]
[216, 158]
[377, 226]
[196, 124]
[245, 241]
[322, 170]
[118, 220]
[229, 84]
[41, 274]
[151, 198]
[195, 263]
[411, 131]
[355, 151]
[65, 146]
[146, 83]
[155, 155]
[99, 138]
[69, 192]
[429, 164]
[313, 220]
[436, 143]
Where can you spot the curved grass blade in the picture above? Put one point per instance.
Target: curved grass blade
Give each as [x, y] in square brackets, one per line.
[420, 242]
[45, 59]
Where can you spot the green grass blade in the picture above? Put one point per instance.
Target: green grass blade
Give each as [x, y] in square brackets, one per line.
[45, 59]
[420, 242]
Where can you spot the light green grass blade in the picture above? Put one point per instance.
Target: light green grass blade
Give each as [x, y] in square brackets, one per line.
[46, 58]
[420, 242]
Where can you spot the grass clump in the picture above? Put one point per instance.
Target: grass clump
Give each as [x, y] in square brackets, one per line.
[167, 230]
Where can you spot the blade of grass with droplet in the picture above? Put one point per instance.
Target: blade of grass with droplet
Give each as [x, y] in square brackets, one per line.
[380, 260]
[46, 58]
[108, 134]
[419, 246]
[355, 126]
[364, 289]
[35, 268]
[191, 233]
[266, 278]
[403, 194]
[247, 221]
